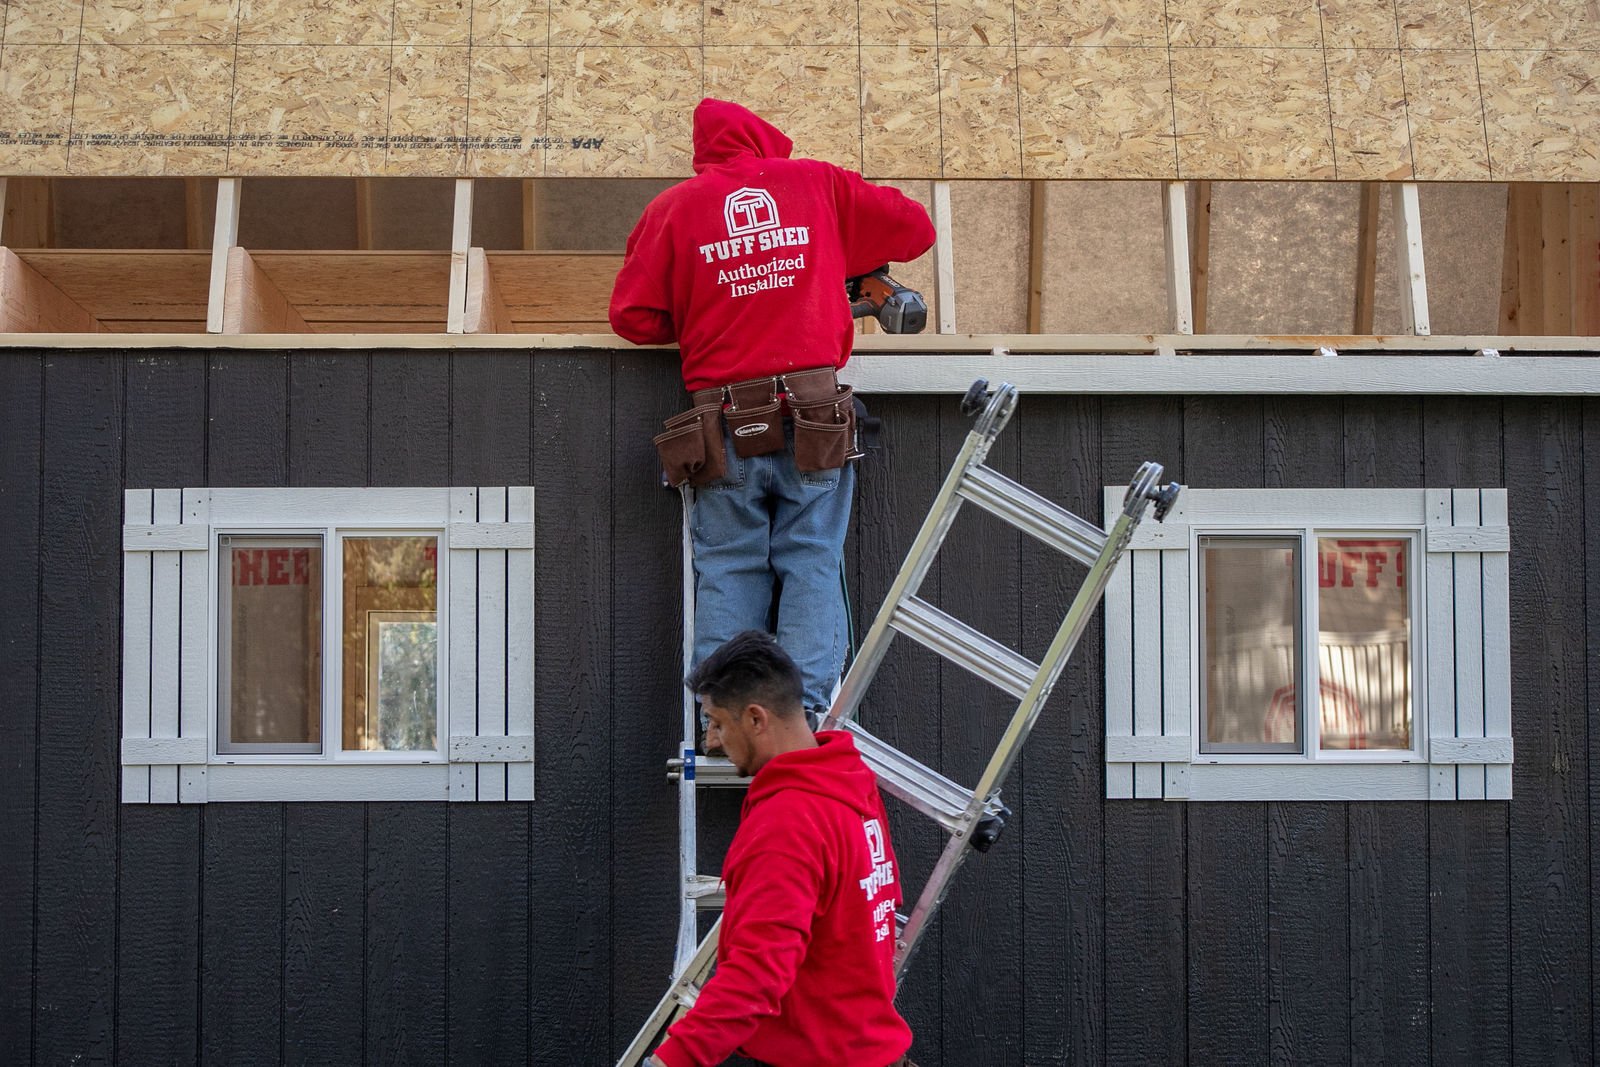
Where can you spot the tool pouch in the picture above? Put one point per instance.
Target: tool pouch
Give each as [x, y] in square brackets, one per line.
[690, 446]
[756, 430]
[824, 430]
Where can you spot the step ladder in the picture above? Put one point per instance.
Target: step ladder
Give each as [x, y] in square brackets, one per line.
[971, 818]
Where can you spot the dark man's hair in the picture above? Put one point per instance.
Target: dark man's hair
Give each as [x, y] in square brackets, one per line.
[750, 668]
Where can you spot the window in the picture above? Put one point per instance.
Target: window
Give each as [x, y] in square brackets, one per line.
[328, 644]
[1312, 644]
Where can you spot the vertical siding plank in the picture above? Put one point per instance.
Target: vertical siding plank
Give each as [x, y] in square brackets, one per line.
[1591, 546]
[981, 920]
[492, 643]
[519, 645]
[463, 705]
[647, 668]
[1388, 849]
[1308, 932]
[1175, 665]
[896, 488]
[166, 592]
[408, 874]
[490, 859]
[324, 865]
[22, 443]
[1468, 872]
[1552, 991]
[241, 981]
[1496, 645]
[1147, 666]
[1227, 898]
[1468, 644]
[194, 645]
[138, 509]
[159, 860]
[80, 556]
[1146, 853]
[1063, 874]
[571, 919]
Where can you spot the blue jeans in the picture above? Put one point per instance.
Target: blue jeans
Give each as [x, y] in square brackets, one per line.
[766, 524]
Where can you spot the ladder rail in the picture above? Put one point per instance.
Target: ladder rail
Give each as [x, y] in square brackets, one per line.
[685, 988]
[688, 801]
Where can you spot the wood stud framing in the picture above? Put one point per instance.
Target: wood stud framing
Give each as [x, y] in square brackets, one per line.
[944, 285]
[1367, 258]
[460, 241]
[1200, 254]
[1412, 272]
[223, 238]
[1180, 292]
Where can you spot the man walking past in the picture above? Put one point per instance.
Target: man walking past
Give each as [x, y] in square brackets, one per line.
[743, 266]
[805, 963]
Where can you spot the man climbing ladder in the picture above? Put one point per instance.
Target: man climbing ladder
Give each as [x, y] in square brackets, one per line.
[971, 818]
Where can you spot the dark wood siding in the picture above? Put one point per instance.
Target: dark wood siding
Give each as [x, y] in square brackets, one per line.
[1126, 932]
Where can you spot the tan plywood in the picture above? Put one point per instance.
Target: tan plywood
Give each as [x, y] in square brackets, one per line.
[1446, 115]
[428, 110]
[126, 91]
[1231, 89]
[1258, 111]
[168, 22]
[1077, 123]
[1543, 112]
[1368, 95]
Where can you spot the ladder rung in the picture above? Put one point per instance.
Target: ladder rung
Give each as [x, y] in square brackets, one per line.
[1033, 514]
[711, 772]
[940, 799]
[706, 891]
[960, 643]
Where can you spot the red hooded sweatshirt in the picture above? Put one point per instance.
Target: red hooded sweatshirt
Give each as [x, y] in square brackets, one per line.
[744, 264]
[805, 964]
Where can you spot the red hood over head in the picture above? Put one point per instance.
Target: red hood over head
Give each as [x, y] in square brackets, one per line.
[724, 131]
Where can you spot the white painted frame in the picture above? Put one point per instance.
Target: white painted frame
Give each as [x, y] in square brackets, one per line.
[169, 752]
[1461, 716]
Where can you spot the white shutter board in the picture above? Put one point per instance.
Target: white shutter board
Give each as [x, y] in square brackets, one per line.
[1119, 658]
[1496, 645]
[519, 645]
[1147, 690]
[1440, 570]
[1468, 643]
[491, 643]
[463, 625]
[1175, 668]
[194, 678]
[166, 591]
[137, 511]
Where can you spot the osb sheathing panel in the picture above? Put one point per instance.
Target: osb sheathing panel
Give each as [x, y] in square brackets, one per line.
[1436, 90]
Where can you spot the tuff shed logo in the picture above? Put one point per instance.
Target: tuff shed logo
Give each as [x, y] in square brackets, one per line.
[749, 210]
[882, 876]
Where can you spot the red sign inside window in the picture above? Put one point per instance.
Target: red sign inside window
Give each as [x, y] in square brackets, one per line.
[272, 566]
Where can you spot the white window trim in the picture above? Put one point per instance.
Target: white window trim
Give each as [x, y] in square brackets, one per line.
[170, 634]
[1460, 606]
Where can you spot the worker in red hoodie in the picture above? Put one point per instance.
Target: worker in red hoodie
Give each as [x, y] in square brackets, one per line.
[743, 266]
[805, 964]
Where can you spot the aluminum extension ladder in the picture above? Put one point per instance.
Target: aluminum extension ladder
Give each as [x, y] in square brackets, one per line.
[971, 818]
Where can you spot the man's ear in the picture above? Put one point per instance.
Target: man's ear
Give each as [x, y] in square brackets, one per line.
[760, 717]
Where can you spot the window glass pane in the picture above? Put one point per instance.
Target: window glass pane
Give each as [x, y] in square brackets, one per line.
[1250, 609]
[391, 647]
[1364, 642]
[271, 677]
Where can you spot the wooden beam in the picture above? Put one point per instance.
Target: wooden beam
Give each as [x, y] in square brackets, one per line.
[1367, 258]
[224, 235]
[486, 312]
[31, 303]
[252, 303]
[530, 216]
[1038, 217]
[3, 212]
[1180, 286]
[1200, 255]
[944, 283]
[1555, 258]
[194, 214]
[1521, 277]
[29, 218]
[1412, 270]
[1585, 259]
[460, 242]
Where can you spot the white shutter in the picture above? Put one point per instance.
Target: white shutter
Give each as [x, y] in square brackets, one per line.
[1147, 663]
[165, 634]
[1469, 645]
[491, 643]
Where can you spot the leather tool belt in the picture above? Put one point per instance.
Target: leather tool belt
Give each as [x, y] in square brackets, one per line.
[822, 411]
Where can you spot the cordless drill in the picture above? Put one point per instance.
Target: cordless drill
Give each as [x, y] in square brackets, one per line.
[876, 295]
